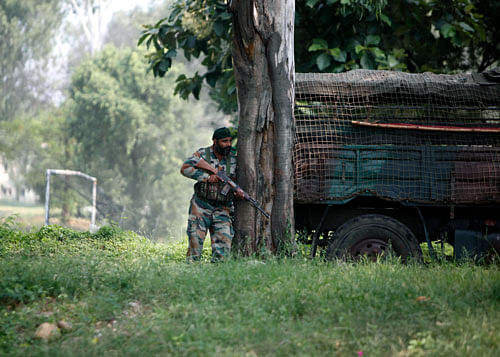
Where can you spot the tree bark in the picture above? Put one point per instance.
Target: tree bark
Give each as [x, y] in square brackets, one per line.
[264, 71]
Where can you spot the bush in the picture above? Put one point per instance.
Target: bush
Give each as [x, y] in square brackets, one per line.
[107, 233]
[59, 233]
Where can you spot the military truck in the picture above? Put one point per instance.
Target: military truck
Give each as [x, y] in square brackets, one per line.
[385, 161]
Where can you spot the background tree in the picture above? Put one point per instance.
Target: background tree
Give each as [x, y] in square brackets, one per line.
[90, 16]
[133, 134]
[46, 143]
[26, 29]
[444, 36]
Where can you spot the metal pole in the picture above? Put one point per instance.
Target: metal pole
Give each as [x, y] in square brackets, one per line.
[47, 197]
[94, 197]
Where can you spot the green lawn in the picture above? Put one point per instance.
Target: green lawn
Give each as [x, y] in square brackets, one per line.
[30, 216]
[123, 295]
[26, 211]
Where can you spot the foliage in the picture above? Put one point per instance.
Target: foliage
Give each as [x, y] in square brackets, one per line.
[125, 26]
[444, 36]
[338, 36]
[127, 296]
[25, 45]
[198, 28]
[407, 35]
[37, 144]
[133, 135]
[28, 31]
[333, 36]
[484, 52]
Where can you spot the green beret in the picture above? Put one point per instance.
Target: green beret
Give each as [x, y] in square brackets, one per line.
[221, 133]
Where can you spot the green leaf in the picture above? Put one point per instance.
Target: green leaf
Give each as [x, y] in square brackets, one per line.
[225, 16]
[359, 49]
[196, 90]
[170, 54]
[141, 39]
[339, 68]
[154, 31]
[231, 89]
[367, 61]
[334, 51]
[218, 28]
[323, 61]
[447, 31]
[392, 61]
[351, 43]
[311, 3]
[338, 54]
[318, 44]
[181, 78]
[466, 27]
[174, 14]
[372, 40]
[157, 44]
[168, 39]
[377, 52]
[159, 22]
[164, 66]
[212, 78]
[385, 19]
[191, 42]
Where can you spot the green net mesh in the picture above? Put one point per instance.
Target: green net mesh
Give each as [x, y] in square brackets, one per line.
[404, 137]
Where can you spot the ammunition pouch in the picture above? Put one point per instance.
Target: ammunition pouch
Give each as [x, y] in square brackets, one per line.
[213, 192]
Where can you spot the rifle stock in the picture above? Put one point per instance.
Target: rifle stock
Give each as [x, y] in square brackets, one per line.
[202, 164]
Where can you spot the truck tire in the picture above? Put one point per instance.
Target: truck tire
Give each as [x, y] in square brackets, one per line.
[373, 235]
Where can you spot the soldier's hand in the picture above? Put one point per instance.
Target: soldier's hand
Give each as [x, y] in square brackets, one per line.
[213, 179]
[239, 194]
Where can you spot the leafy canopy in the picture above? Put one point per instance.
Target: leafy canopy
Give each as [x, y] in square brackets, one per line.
[133, 134]
[26, 29]
[332, 36]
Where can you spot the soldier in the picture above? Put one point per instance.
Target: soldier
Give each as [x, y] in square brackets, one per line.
[211, 206]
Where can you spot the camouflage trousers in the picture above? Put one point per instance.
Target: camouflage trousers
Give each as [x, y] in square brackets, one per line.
[213, 217]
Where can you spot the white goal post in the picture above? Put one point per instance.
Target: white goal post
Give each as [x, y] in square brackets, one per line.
[70, 173]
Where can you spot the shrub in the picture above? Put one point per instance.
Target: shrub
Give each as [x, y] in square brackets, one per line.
[60, 233]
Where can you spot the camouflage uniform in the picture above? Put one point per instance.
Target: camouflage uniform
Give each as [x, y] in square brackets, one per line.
[210, 209]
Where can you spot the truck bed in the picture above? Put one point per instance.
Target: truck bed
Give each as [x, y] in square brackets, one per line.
[426, 174]
[426, 138]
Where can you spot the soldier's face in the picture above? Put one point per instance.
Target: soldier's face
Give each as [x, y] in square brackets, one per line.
[223, 146]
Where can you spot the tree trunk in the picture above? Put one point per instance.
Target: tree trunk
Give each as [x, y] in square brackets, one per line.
[264, 71]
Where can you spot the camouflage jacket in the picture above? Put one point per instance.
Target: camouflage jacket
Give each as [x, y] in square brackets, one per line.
[204, 189]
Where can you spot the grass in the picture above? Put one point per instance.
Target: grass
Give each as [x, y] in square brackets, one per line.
[32, 216]
[124, 295]
[28, 212]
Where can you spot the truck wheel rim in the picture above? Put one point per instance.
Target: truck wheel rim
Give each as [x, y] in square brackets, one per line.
[371, 248]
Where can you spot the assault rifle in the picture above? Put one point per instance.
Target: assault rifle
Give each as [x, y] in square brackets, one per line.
[202, 164]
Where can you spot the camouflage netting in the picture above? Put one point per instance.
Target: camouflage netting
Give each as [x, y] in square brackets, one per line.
[405, 137]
